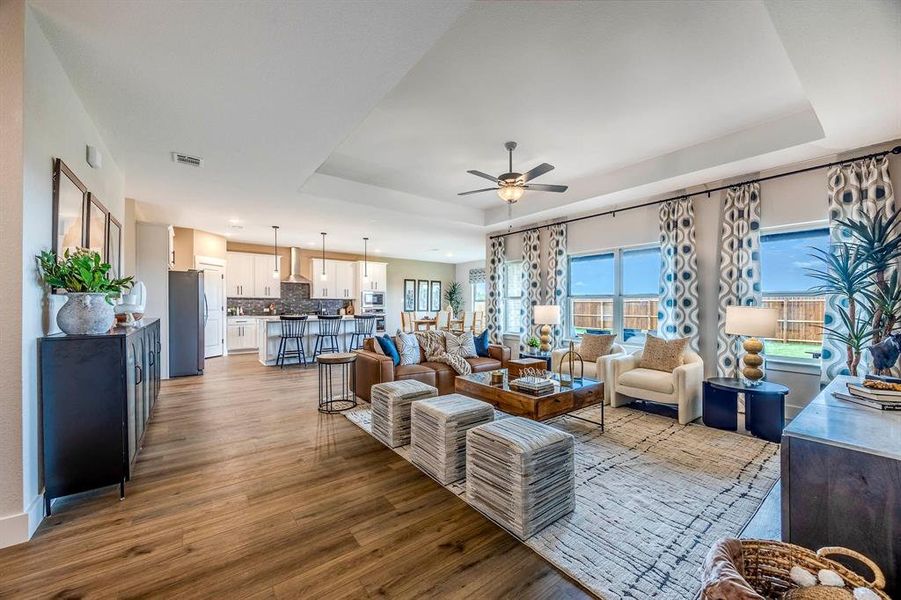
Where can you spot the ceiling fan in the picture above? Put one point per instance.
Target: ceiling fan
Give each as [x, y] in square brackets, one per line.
[511, 186]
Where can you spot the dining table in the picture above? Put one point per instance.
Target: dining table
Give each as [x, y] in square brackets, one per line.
[425, 324]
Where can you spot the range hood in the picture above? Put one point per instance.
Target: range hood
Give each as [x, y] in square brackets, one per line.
[295, 276]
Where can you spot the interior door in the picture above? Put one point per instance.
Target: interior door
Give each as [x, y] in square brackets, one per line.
[214, 290]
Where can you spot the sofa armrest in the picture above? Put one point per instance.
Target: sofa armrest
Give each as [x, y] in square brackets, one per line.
[499, 352]
[689, 380]
[557, 356]
[371, 368]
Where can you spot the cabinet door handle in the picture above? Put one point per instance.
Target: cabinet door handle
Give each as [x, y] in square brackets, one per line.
[139, 374]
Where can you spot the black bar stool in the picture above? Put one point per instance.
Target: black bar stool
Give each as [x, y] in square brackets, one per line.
[327, 336]
[293, 328]
[364, 326]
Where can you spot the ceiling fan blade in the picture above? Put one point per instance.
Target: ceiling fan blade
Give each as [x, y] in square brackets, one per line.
[538, 187]
[483, 175]
[477, 191]
[537, 171]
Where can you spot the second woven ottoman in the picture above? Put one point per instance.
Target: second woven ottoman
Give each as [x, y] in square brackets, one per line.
[391, 409]
[438, 434]
[520, 473]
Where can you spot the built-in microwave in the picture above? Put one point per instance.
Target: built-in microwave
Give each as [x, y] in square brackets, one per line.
[373, 299]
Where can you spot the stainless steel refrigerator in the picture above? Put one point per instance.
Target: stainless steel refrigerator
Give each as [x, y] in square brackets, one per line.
[187, 320]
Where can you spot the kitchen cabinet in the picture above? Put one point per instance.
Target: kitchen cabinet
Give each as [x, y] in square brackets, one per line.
[378, 276]
[242, 334]
[250, 276]
[97, 396]
[339, 282]
[345, 280]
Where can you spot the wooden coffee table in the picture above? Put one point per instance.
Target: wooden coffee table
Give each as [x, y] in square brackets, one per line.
[561, 401]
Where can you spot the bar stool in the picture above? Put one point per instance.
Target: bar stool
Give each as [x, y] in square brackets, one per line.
[364, 326]
[327, 336]
[293, 328]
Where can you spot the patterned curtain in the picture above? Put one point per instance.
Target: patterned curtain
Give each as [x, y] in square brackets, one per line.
[863, 187]
[531, 286]
[679, 313]
[556, 276]
[495, 290]
[477, 276]
[739, 268]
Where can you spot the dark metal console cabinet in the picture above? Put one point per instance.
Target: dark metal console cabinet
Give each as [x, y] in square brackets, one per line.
[841, 480]
[97, 394]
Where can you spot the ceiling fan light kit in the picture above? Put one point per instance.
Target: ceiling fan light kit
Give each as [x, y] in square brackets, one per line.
[512, 185]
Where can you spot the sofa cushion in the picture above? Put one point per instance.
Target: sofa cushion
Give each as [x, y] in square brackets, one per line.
[592, 346]
[591, 369]
[387, 347]
[648, 379]
[481, 364]
[417, 372]
[460, 344]
[661, 354]
[408, 347]
[481, 342]
[444, 376]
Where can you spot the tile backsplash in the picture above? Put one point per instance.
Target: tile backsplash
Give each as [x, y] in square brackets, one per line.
[295, 300]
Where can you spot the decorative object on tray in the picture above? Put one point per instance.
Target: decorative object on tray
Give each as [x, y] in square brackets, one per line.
[131, 305]
[533, 385]
[753, 322]
[759, 569]
[84, 277]
[885, 354]
[875, 393]
[567, 378]
[497, 377]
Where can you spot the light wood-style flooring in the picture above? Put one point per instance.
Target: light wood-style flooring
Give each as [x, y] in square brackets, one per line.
[243, 490]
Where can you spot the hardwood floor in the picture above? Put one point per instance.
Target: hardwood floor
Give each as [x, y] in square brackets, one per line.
[244, 490]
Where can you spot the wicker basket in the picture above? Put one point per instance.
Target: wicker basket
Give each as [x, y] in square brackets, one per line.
[767, 565]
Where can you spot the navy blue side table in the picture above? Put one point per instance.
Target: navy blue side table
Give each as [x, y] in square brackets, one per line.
[764, 406]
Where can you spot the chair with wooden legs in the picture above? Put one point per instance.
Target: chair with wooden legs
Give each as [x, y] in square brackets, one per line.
[478, 322]
[406, 322]
[442, 320]
[293, 328]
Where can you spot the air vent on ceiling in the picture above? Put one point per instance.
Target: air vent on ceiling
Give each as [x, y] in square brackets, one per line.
[186, 159]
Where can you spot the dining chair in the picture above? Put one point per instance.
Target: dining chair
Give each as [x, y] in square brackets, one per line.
[442, 320]
[406, 322]
[478, 322]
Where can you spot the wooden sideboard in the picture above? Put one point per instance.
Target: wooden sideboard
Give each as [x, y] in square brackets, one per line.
[841, 480]
[97, 394]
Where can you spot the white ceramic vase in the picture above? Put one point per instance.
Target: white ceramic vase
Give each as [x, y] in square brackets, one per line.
[85, 313]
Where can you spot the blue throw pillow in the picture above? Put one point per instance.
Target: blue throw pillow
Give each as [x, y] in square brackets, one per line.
[389, 348]
[482, 344]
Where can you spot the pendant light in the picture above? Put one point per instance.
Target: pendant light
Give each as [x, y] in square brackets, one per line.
[275, 272]
[365, 261]
[323, 276]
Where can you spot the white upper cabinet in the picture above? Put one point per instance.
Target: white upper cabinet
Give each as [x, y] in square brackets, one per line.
[320, 287]
[250, 276]
[345, 282]
[378, 276]
[340, 280]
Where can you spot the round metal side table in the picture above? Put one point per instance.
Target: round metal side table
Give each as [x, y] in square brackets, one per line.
[337, 382]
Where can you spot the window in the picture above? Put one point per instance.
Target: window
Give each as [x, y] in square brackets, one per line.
[478, 297]
[615, 292]
[512, 297]
[784, 260]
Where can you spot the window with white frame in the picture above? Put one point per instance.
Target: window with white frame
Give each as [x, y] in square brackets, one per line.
[615, 292]
[512, 297]
[786, 284]
[478, 297]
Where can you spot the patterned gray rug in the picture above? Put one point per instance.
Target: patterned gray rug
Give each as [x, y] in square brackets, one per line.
[651, 497]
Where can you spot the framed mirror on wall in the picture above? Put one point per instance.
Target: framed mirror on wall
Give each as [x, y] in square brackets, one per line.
[95, 230]
[409, 295]
[114, 247]
[69, 206]
[435, 296]
[422, 295]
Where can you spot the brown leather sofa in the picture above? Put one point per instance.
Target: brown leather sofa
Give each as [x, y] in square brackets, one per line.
[373, 367]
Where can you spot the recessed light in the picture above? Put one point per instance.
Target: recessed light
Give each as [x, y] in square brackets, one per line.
[311, 243]
[449, 254]
[234, 221]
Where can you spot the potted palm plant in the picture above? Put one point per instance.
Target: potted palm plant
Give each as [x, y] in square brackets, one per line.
[863, 273]
[453, 295]
[85, 279]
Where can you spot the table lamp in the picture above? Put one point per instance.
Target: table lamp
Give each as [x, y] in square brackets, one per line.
[546, 315]
[752, 322]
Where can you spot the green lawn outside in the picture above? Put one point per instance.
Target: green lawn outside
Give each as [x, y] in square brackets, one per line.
[790, 349]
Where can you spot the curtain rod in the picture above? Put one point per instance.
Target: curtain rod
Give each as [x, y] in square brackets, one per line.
[895, 150]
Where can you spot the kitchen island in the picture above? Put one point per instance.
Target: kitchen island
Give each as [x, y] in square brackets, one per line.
[269, 334]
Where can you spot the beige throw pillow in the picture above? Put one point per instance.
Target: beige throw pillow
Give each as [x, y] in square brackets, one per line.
[662, 355]
[595, 345]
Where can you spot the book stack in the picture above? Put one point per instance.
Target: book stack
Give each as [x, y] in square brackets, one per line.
[533, 385]
[874, 397]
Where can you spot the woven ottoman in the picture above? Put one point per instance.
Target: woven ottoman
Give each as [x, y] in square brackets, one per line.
[438, 434]
[520, 473]
[391, 409]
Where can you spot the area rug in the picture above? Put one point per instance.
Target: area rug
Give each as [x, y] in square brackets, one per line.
[652, 496]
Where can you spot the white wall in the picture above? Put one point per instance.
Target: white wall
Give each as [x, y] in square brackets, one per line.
[55, 125]
[400, 269]
[462, 277]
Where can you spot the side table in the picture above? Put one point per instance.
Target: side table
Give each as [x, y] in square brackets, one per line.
[764, 406]
[344, 383]
[545, 356]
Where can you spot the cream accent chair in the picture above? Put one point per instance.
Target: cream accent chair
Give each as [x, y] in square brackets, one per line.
[593, 370]
[681, 388]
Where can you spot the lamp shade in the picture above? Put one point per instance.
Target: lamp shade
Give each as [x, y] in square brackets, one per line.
[546, 314]
[753, 321]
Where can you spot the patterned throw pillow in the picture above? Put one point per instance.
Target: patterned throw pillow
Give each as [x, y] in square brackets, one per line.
[662, 355]
[460, 344]
[595, 345]
[408, 347]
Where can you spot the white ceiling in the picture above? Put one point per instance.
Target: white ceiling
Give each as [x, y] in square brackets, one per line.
[361, 118]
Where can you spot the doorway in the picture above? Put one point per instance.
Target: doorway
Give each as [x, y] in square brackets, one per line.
[214, 290]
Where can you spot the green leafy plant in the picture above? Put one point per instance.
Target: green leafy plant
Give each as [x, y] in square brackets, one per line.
[862, 272]
[533, 342]
[453, 295]
[81, 271]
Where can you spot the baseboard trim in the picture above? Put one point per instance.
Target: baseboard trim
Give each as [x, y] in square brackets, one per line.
[18, 528]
